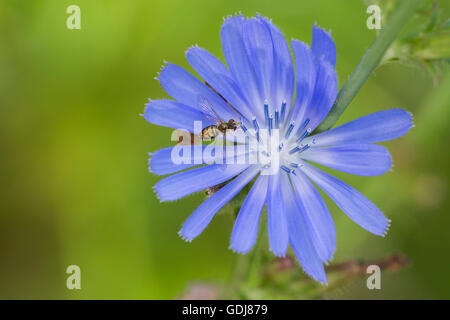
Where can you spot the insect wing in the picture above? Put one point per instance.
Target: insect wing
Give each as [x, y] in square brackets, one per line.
[208, 110]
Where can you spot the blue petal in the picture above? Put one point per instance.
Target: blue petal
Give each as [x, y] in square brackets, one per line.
[258, 41]
[239, 63]
[245, 228]
[354, 204]
[184, 87]
[180, 157]
[217, 75]
[359, 159]
[181, 184]
[322, 45]
[316, 213]
[376, 127]
[201, 217]
[284, 79]
[172, 114]
[305, 79]
[276, 218]
[300, 236]
[325, 91]
[161, 162]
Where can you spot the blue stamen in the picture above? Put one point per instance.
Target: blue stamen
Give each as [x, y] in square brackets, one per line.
[270, 124]
[304, 135]
[277, 119]
[289, 130]
[266, 112]
[283, 111]
[286, 169]
[298, 149]
[304, 148]
[244, 128]
[255, 124]
[305, 123]
[280, 147]
[294, 150]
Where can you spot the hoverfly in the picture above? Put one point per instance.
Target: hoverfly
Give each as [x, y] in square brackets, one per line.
[212, 131]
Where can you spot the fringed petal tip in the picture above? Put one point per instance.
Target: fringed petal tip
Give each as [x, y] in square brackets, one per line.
[185, 238]
[316, 26]
[145, 107]
[391, 162]
[161, 70]
[146, 111]
[158, 194]
[383, 229]
[230, 16]
[239, 15]
[386, 228]
[194, 46]
[153, 165]
[150, 158]
[326, 262]
[239, 251]
[411, 119]
[155, 190]
[294, 40]
[322, 45]
[259, 16]
[150, 162]
[278, 254]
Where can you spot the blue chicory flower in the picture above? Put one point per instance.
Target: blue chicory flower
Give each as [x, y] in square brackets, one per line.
[259, 84]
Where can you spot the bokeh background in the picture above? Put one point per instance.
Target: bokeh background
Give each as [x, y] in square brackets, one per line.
[75, 188]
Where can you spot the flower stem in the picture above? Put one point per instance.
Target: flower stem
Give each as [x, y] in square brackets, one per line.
[253, 267]
[246, 267]
[369, 61]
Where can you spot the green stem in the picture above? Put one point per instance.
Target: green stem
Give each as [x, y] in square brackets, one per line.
[369, 61]
[252, 273]
[245, 269]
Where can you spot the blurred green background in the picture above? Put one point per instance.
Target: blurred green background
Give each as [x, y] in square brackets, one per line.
[75, 185]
